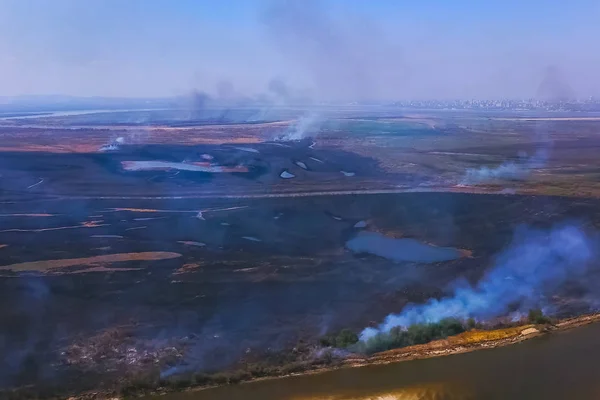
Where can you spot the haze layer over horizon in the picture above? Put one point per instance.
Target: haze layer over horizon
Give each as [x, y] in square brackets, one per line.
[326, 50]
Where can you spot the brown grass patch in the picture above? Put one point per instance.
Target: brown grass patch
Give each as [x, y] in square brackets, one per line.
[452, 343]
[47, 265]
[478, 336]
[190, 267]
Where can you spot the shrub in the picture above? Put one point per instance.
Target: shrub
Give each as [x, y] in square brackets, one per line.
[471, 323]
[221, 378]
[450, 327]
[293, 368]
[327, 341]
[201, 379]
[536, 316]
[415, 334]
[346, 338]
[326, 358]
[342, 340]
[259, 370]
[239, 376]
[181, 383]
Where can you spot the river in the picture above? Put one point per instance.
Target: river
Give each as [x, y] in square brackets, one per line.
[563, 365]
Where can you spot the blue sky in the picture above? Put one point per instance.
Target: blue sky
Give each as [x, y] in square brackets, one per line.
[331, 49]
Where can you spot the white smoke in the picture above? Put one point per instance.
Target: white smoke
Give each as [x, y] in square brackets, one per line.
[305, 126]
[506, 171]
[536, 263]
[512, 170]
[113, 145]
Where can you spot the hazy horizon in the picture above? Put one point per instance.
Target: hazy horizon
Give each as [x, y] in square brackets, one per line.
[333, 50]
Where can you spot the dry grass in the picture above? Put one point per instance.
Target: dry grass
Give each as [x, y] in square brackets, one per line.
[189, 267]
[448, 345]
[478, 336]
[47, 265]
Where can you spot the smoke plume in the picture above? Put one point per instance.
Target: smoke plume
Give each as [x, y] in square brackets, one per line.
[534, 265]
[342, 58]
[225, 90]
[554, 86]
[279, 88]
[305, 126]
[507, 171]
[515, 170]
[197, 103]
[26, 334]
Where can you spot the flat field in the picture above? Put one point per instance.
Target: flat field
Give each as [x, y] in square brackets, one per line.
[109, 273]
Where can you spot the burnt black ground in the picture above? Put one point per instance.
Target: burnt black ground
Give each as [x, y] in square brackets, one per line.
[295, 281]
[102, 174]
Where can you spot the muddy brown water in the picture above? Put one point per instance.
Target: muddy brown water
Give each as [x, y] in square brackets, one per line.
[559, 366]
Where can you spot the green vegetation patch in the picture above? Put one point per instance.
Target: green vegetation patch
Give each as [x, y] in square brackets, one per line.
[342, 340]
[536, 316]
[415, 334]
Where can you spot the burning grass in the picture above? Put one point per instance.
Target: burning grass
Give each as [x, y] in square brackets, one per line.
[49, 265]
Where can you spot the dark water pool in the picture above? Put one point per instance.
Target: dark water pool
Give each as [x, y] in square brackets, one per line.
[403, 249]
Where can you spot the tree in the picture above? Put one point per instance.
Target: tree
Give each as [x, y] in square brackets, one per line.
[536, 316]
[346, 338]
[471, 323]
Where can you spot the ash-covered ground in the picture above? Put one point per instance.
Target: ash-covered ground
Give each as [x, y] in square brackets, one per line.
[142, 257]
[251, 276]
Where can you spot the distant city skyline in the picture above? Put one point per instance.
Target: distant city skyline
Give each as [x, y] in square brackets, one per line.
[330, 50]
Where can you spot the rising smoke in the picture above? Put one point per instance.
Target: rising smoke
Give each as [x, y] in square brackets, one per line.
[306, 126]
[280, 89]
[506, 171]
[554, 86]
[20, 344]
[515, 170]
[342, 58]
[510, 170]
[197, 103]
[535, 264]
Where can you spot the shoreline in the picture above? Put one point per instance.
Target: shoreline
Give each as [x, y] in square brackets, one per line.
[465, 342]
[453, 345]
[462, 343]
